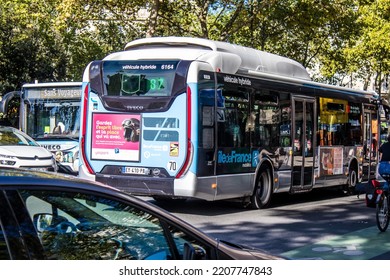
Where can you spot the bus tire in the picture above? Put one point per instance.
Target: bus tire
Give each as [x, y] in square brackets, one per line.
[263, 190]
[352, 180]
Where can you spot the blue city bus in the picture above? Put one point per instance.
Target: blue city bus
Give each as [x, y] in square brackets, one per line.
[177, 118]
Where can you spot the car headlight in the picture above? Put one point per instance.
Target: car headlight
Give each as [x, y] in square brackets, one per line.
[7, 160]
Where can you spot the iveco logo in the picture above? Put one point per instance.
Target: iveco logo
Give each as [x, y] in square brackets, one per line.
[136, 108]
[52, 147]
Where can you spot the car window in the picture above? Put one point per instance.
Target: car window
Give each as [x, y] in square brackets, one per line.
[3, 246]
[35, 205]
[73, 225]
[80, 226]
[185, 242]
[8, 137]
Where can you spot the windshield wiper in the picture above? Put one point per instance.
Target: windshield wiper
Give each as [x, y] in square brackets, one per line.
[57, 136]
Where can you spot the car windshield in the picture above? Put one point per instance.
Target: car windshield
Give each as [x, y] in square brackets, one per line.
[12, 137]
[52, 111]
[53, 119]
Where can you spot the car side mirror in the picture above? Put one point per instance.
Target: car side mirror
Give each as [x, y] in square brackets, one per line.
[193, 253]
[42, 221]
[189, 252]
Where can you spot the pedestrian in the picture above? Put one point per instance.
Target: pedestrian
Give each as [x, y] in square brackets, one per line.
[384, 158]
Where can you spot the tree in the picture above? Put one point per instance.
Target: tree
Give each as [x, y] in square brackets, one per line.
[55, 40]
[370, 53]
[28, 48]
[365, 54]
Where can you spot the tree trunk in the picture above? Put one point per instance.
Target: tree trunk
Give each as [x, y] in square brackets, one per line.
[152, 23]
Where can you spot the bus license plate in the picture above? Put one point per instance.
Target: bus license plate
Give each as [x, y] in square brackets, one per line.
[135, 170]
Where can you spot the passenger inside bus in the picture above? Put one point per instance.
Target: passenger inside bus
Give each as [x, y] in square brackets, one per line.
[339, 123]
[59, 129]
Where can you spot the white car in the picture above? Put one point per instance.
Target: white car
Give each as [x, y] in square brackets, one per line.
[17, 149]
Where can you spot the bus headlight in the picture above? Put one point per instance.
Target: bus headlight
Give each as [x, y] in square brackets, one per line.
[65, 156]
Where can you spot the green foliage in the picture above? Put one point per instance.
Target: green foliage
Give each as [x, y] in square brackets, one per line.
[54, 40]
[29, 50]
[365, 52]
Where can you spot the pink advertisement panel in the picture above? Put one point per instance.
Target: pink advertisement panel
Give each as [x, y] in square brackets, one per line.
[116, 137]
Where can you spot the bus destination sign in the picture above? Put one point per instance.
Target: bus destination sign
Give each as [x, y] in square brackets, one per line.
[54, 93]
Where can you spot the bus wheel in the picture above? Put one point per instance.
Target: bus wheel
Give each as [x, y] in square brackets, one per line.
[352, 180]
[262, 193]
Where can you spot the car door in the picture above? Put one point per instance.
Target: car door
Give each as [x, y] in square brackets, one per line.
[17, 235]
[4, 223]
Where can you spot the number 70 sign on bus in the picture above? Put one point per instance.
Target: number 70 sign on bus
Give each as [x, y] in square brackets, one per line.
[116, 137]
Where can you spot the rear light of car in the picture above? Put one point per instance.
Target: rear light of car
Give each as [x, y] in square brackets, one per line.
[379, 191]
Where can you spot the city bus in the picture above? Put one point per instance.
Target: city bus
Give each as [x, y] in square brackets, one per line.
[50, 114]
[178, 118]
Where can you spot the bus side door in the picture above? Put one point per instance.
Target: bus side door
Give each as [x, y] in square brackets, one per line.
[303, 143]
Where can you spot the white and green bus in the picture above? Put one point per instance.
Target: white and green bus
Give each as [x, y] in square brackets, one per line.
[50, 114]
[176, 117]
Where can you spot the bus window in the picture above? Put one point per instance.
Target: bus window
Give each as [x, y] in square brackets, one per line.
[285, 121]
[354, 129]
[46, 118]
[135, 78]
[267, 105]
[207, 118]
[206, 114]
[233, 116]
[332, 121]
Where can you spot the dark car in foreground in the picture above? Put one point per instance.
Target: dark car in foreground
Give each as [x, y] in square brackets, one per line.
[45, 215]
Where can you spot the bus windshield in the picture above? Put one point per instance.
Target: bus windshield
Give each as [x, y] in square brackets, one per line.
[55, 115]
[138, 78]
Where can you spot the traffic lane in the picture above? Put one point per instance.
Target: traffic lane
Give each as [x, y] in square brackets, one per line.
[364, 244]
[291, 222]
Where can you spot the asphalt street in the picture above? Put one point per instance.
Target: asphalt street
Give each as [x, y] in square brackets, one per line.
[324, 224]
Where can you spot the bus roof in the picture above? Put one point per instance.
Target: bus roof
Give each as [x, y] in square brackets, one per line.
[338, 90]
[231, 59]
[225, 57]
[53, 84]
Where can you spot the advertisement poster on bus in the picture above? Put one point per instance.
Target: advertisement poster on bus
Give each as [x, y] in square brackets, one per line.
[331, 161]
[116, 137]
